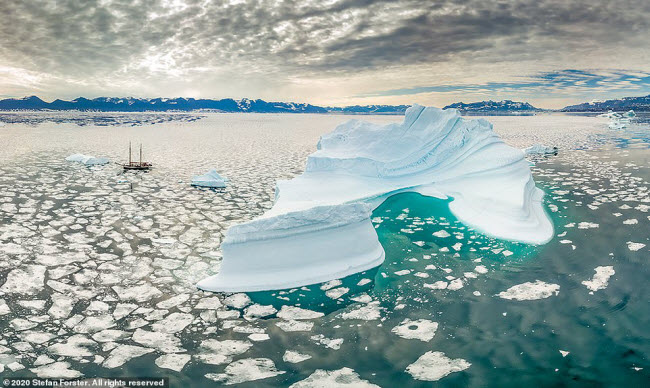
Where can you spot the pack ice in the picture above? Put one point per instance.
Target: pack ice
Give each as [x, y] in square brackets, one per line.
[86, 159]
[319, 227]
[210, 179]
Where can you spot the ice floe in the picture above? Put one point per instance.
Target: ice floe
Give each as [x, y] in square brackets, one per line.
[341, 378]
[530, 291]
[248, 369]
[600, 279]
[421, 329]
[355, 169]
[294, 357]
[432, 366]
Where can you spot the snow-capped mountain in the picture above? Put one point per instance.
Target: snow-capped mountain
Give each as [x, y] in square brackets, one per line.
[639, 104]
[505, 106]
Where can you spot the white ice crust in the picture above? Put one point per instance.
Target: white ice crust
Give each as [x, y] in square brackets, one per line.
[210, 179]
[86, 159]
[319, 227]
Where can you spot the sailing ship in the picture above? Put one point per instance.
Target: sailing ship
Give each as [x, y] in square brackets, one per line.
[138, 166]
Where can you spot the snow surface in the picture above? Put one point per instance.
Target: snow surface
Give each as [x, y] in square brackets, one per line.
[210, 179]
[87, 159]
[320, 229]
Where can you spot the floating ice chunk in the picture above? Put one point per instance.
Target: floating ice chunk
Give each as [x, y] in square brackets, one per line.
[292, 325]
[248, 369]
[75, 346]
[140, 293]
[442, 234]
[421, 329]
[564, 353]
[294, 357]
[28, 280]
[600, 279]
[123, 353]
[630, 113]
[87, 159]
[455, 284]
[480, 269]
[369, 312]
[4, 308]
[336, 293]
[174, 362]
[530, 291]
[238, 301]
[259, 311]
[173, 323]
[221, 352]
[634, 246]
[259, 337]
[210, 179]
[320, 225]
[165, 342]
[432, 366]
[439, 285]
[538, 149]
[587, 225]
[57, 370]
[291, 312]
[341, 378]
[334, 343]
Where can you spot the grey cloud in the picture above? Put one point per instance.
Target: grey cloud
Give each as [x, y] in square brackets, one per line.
[81, 40]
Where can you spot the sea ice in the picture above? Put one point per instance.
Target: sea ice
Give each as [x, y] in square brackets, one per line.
[25, 280]
[600, 279]
[421, 329]
[57, 370]
[634, 246]
[123, 353]
[294, 357]
[530, 291]
[87, 159]
[248, 369]
[174, 362]
[432, 366]
[291, 312]
[433, 152]
[209, 179]
[341, 378]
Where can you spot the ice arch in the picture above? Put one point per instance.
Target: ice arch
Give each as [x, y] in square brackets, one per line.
[319, 227]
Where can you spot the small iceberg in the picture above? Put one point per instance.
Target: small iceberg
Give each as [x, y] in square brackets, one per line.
[87, 159]
[320, 228]
[211, 179]
[630, 113]
[538, 149]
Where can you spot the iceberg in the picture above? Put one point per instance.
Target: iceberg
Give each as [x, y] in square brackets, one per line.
[319, 227]
[210, 179]
[87, 159]
[538, 149]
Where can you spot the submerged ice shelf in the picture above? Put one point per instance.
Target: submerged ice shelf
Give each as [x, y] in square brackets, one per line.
[319, 227]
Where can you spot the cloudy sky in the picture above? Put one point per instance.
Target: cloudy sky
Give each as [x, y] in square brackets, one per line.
[328, 52]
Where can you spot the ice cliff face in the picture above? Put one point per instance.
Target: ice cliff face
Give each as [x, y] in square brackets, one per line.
[319, 227]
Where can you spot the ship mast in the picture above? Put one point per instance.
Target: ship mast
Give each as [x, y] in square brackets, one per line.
[129, 153]
[140, 153]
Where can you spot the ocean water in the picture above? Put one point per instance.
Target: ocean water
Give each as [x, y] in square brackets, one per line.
[97, 267]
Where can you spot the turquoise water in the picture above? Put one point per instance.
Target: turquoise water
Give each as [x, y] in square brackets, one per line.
[51, 210]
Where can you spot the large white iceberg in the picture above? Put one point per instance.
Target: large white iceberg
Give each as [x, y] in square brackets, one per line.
[319, 227]
[87, 159]
[210, 179]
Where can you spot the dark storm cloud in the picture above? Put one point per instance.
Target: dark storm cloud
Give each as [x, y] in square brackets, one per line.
[86, 38]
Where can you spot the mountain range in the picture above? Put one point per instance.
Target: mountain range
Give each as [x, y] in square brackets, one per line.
[639, 104]
[129, 104]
